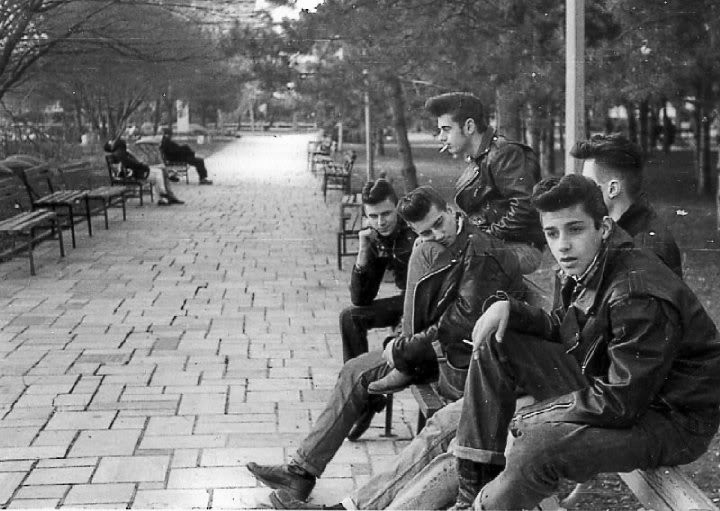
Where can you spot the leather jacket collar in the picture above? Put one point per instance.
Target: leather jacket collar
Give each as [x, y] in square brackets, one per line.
[586, 296]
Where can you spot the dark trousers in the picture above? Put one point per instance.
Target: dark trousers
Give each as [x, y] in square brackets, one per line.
[199, 165]
[355, 321]
[545, 450]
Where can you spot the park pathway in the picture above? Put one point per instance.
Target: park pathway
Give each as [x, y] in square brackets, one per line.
[147, 367]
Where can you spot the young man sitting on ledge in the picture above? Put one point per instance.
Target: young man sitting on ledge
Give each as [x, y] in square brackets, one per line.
[449, 292]
[384, 245]
[625, 367]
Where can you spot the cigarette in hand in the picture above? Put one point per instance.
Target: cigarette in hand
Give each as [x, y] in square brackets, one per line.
[444, 148]
[468, 342]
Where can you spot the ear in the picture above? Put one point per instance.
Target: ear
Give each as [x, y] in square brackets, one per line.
[606, 227]
[469, 126]
[614, 188]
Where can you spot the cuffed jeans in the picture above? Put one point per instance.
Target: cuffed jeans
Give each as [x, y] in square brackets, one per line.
[355, 321]
[347, 402]
[381, 489]
[157, 176]
[545, 451]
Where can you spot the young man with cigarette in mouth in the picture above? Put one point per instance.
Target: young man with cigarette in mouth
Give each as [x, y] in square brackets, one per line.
[494, 190]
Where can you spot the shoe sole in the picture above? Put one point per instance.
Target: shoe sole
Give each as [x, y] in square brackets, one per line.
[277, 486]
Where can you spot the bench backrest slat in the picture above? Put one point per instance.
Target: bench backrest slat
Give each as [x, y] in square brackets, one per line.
[76, 175]
[40, 181]
[13, 197]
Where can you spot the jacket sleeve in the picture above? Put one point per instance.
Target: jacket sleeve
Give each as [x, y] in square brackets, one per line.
[645, 337]
[365, 282]
[476, 282]
[514, 179]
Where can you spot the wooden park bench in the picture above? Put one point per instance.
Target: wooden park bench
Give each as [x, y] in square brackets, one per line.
[45, 192]
[120, 176]
[338, 176]
[78, 175]
[22, 228]
[350, 224]
[318, 154]
[179, 168]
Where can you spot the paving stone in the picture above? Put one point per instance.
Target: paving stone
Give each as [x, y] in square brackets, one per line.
[240, 498]
[210, 477]
[61, 438]
[105, 443]
[171, 499]
[182, 441]
[131, 469]
[113, 493]
[233, 457]
[44, 491]
[81, 420]
[185, 458]
[59, 475]
[90, 461]
[9, 481]
[33, 504]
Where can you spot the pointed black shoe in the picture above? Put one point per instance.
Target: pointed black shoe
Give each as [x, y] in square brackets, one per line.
[283, 477]
[280, 499]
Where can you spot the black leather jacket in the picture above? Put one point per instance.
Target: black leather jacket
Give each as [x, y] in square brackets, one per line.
[642, 340]
[494, 190]
[647, 230]
[449, 298]
[388, 253]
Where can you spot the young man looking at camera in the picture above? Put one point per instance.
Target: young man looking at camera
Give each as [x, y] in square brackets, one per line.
[625, 368]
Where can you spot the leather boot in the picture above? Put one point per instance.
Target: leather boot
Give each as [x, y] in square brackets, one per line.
[291, 478]
[280, 499]
[471, 479]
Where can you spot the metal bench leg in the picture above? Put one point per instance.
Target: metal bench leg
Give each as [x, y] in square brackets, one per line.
[88, 216]
[122, 200]
[339, 251]
[388, 415]
[56, 225]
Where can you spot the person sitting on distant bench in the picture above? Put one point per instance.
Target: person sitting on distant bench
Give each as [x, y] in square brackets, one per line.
[173, 152]
[155, 175]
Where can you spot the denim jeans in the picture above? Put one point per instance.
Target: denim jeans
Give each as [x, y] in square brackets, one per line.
[347, 402]
[381, 489]
[544, 452]
[355, 321]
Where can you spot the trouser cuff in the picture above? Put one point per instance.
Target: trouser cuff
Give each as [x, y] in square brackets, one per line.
[349, 503]
[310, 469]
[479, 455]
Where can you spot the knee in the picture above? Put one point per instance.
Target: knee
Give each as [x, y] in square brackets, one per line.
[346, 315]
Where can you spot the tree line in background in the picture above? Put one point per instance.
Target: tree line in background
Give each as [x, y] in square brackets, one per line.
[113, 61]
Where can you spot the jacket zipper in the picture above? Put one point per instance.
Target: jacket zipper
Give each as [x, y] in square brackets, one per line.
[556, 406]
[590, 353]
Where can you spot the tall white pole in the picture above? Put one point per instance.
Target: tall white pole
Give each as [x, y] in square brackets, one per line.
[574, 80]
[368, 131]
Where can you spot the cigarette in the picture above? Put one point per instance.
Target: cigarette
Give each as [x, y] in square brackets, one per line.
[467, 342]
[444, 148]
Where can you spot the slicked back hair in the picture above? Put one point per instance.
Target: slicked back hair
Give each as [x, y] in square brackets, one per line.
[616, 156]
[555, 193]
[415, 206]
[374, 192]
[461, 106]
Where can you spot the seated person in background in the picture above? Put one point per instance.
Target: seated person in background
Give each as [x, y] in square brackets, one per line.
[385, 244]
[625, 368]
[449, 297]
[616, 165]
[140, 171]
[174, 152]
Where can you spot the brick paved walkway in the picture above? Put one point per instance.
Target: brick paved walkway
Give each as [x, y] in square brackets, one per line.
[147, 367]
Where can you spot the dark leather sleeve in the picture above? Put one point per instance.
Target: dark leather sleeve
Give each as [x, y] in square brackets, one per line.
[645, 337]
[365, 282]
[477, 279]
[514, 178]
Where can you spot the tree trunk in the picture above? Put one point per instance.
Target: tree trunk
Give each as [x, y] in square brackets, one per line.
[632, 124]
[644, 134]
[705, 177]
[668, 129]
[409, 171]
[156, 116]
[547, 146]
[508, 118]
[379, 142]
